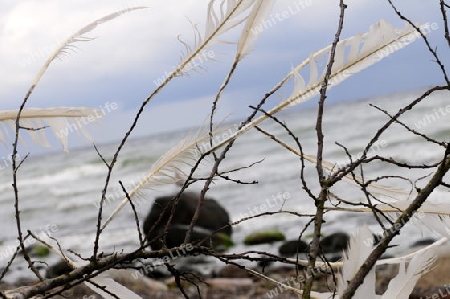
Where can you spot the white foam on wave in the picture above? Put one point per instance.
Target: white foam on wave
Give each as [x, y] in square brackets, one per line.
[66, 175]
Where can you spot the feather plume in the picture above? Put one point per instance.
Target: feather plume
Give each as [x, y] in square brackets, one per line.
[381, 41]
[76, 37]
[222, 16]
[248, 37]
[363, 50]
[435, 217]
[226, 18]
[62, 121]
[432, 247]
[357, 253]
[261, 9]
[168, 168]
[401, 205]
[401, 286]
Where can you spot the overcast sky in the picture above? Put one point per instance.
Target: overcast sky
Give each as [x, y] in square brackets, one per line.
[131, 52]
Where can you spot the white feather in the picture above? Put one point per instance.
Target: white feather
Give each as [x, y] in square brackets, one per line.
[76, 37]
[379, 42]
[425, 208]
[261, 10]
[219, 21]
[357, 253]
[401, 286]
[435, 217]
[111, 286]
[364, 51]
[62, 121]
[436, 246]
[222, 16]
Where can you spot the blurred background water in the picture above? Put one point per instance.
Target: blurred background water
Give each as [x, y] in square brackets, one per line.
[61, 189]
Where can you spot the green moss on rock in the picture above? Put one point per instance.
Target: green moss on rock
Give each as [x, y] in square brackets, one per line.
[41, 251]
[264, 237]
[222, 241]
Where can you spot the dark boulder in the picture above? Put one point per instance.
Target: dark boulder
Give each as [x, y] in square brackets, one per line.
[291, 248]
[58, 269]
[423, 242]
[176, 234]
[334, 243]
[212, 217]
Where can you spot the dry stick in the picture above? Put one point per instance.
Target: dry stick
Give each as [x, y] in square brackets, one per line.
[297, 153]
[363, 184]
[136, 218]
[324, 184]
[255, 216]
[299, 145]
[425, 39]
[444, 18]
[400, 164]
[344, 171]
[15, 168]
[205, 188]
[215, 167]
[216, 100]
[94, 268]
[240, 54]
[175, 73]
[176, 198]
[324, 266]
[410, 129]
[177, 275]
[424, 193]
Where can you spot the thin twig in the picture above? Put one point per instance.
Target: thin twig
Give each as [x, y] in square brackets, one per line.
[324, 184]
[425, 39]
[136, 218]
[445, 21]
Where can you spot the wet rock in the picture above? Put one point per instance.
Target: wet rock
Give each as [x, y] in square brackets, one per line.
[177, 233]
[212, 217]
[58, 269]
[334, 243]
[423, 242]
[292, 247]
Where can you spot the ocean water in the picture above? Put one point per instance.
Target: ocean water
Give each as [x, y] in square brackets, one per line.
[59, 191]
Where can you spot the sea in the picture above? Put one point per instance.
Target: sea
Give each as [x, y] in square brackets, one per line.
[59, 192]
